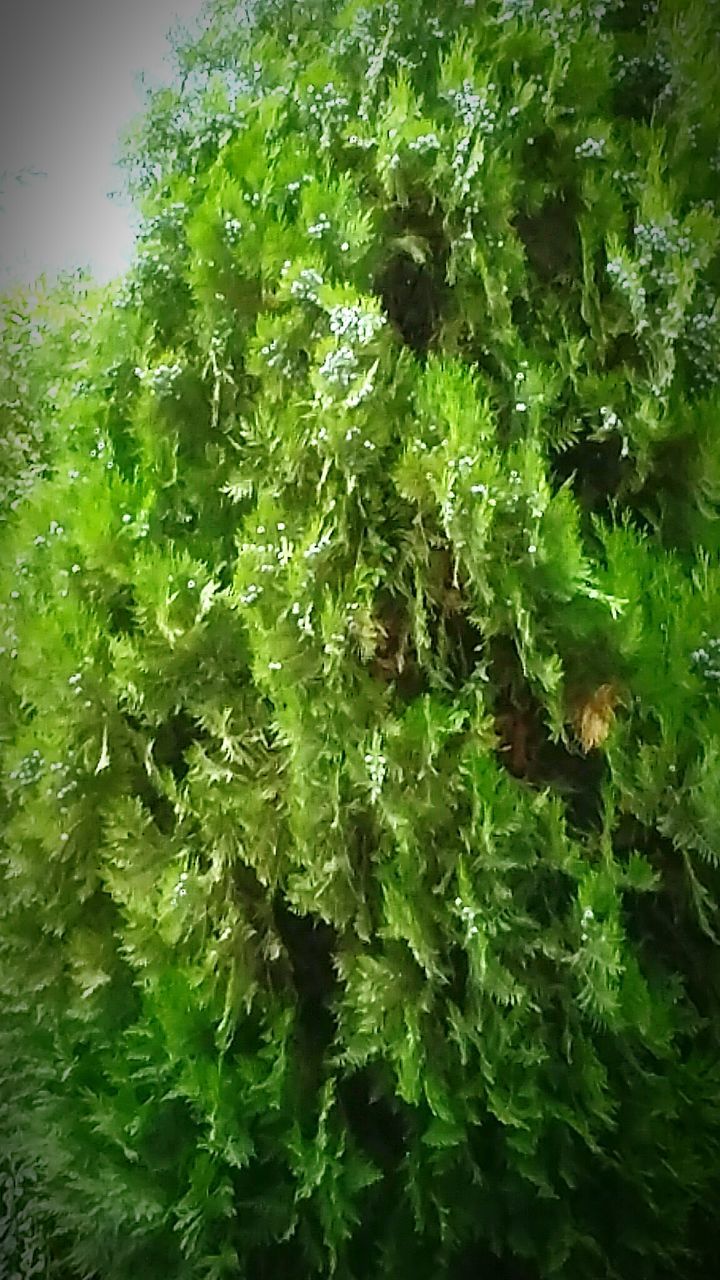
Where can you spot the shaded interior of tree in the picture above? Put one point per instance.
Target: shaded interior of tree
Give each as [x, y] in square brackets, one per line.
[414, 292]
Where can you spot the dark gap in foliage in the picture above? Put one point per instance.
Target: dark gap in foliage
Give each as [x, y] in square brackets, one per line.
[599, 471]
[517, 712]
[624, 353]
[251, 897]
[173, 738]
[636, 96]
[274, 1261]
[156, 1254]
[665, 930]
[123, 1001]
[640, 77]
[552, 240]
[477, 1262]
[121, 612]
[486, 356]
[412, 292]
[510, 704]
[457, 974]
[121, 390]
[490, 364]
[384, 1128]
[662, 503]
[176, 521]
[579, 779]
[166, 304]
[165, 1139]
[310, 945]
[224, 573]
[161, 809]
[455, 639]
[704, 1232]
[487, 1149]
[663, 922]
[87, 1067]
[540, 152]
[630, 833]
[527, 751]
[248, 1037]
[395, 659]
[521, 313]
[60, 1242]
[374, 1117]
[409, 297]
[302, 357]
[465, 640]
[364, 830]
[628, 16]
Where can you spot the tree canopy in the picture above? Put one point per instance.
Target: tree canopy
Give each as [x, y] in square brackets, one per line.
[360, 600]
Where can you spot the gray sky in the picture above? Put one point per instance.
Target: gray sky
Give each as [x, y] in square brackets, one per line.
[68, 85]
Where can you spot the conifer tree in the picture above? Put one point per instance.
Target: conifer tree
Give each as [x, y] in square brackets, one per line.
[359, 719]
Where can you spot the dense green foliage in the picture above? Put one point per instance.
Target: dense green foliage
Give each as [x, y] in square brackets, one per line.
[45, 337]
[360, 596]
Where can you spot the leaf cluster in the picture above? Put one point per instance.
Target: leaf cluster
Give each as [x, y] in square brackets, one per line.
[358, 708]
